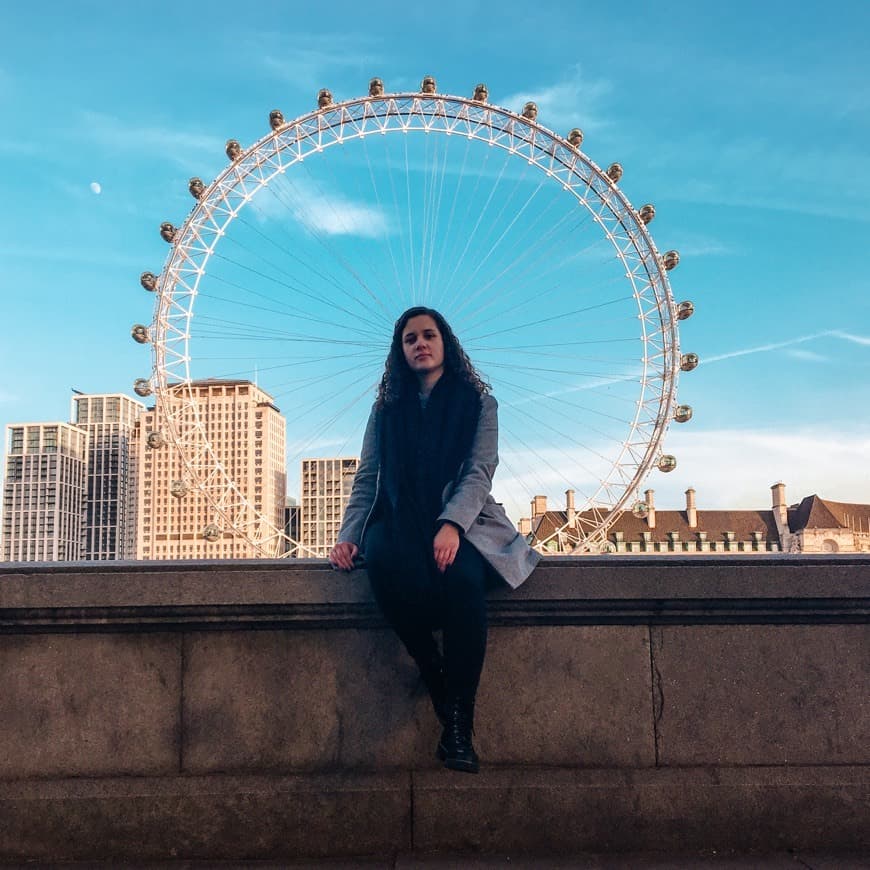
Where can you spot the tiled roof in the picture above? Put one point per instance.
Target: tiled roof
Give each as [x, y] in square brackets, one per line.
[715, 523]
[818, 513]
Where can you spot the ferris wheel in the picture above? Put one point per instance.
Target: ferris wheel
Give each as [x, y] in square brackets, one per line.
[297, 258]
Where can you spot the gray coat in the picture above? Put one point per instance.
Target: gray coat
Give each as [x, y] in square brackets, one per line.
[466, 501]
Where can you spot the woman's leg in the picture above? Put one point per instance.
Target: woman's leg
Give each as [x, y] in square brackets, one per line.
[402, 588]
[464, 650]
[465, 623]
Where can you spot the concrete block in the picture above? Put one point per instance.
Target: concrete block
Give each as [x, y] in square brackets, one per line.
[764, 694]
[303, 700]
[214, 818]
[89, 704]
[560, 811]
[567, 695]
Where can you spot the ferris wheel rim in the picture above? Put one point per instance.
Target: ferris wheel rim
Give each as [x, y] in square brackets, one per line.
[248, 174]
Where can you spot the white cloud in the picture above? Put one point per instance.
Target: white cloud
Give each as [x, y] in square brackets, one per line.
[310, 60]
[848, 336]
[320, 211]
[777, 345]
[186, 148]
[728, 468]
[807, 355]
[573, 102]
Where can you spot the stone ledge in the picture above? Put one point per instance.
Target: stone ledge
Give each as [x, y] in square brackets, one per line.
[654, 590]
[507, 810]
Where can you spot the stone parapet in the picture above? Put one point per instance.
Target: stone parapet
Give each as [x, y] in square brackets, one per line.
[263, 710]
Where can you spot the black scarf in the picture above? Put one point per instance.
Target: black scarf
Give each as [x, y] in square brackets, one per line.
[422, 449]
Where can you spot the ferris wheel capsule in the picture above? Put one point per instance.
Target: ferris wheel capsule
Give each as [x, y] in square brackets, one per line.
[427, 86]
[324, 98]
[481, 93]
[689, 361]
[167, 232]
[647, 213]
[671, 260]
[640, 509]
[155, 440]
[614, 172]
[148, 280]
[376, 87]
[211, 533]
[178, 488]
[196, 188]
[139, 333]
[233, 149]
[276, 119]
[142, 387]
[575, 137]
[530, 111]
[683, 413]
[685, 310]
[667, 462]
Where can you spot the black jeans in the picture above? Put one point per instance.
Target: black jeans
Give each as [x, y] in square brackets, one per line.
[416, 598]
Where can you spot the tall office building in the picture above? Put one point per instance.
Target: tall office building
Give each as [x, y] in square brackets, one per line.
[44, 492]
[326, 486]
[247, 434]
[110, 505]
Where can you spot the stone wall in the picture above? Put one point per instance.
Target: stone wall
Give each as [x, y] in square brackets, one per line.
[262, 710]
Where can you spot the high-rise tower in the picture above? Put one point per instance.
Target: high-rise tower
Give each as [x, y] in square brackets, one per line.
[110, 504]
[44, 492]
[246, 434]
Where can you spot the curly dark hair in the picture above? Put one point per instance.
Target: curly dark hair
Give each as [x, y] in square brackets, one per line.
[398, 380]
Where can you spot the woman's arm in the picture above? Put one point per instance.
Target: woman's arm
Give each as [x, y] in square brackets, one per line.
[475, 481]
[365, 486]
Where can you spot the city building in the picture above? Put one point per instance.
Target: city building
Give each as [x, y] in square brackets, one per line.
[812, 526]
[44, 492]
[110, 503]
[245, 433]
[326, 486]
[292, 518]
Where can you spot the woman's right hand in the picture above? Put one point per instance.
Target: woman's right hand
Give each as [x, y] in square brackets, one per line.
[342, 555]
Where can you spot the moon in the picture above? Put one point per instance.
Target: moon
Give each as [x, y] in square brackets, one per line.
[96, 187]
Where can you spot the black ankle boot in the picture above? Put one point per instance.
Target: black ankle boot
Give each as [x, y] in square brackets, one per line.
[455, 748]
[432, 674]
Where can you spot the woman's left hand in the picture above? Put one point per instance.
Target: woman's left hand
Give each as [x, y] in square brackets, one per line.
[446, 546]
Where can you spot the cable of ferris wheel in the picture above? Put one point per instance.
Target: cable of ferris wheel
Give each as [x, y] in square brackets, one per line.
[294, 364]
[544, 462]
[312, 295]
[458, 263]
[561, 405]
[279, 282]
[380, 209]
[336, 256]
[456, 276]
[492, 248]
[450, 221]
[328, 424]
[551, 319]
[519, 289]
[542, 250]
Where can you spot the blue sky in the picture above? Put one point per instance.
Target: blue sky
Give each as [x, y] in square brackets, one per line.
[746, 124]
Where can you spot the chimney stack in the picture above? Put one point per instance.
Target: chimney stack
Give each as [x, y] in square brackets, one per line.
[650, 508]
[539, 505]
[525, 527]
[569, 508]
[780, 509]
[691, 511]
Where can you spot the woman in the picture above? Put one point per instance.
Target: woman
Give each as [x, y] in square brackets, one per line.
[422, 514]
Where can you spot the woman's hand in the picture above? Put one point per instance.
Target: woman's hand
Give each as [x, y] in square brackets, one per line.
[342, 555]
[446, 546]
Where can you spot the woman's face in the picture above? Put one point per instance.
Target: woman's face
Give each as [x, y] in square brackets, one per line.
[423, 346]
